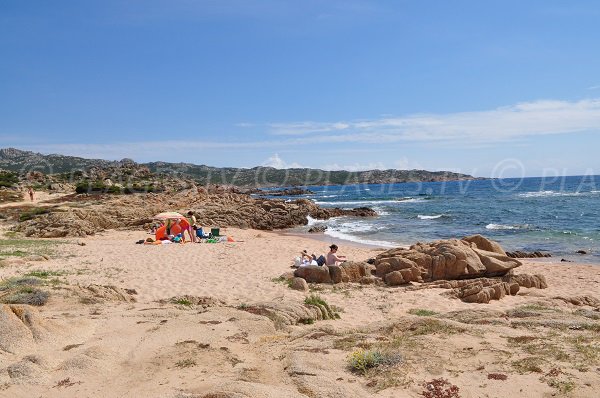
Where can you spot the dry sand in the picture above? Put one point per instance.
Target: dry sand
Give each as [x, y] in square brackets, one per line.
[110, 348]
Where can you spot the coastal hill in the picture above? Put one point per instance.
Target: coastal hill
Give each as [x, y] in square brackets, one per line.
[23, 162]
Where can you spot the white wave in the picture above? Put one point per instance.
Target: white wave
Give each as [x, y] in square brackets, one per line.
[506, 227]
[543, 194]
[368, 202]
[355, 203]
[352, 226]
[311, 221]
[344, 236]
[328, 196]
[381, 212]
[430, 217]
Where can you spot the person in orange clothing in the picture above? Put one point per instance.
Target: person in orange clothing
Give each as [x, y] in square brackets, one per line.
[185, 226]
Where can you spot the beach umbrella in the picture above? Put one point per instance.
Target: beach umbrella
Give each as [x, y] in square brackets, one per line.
[168, 215]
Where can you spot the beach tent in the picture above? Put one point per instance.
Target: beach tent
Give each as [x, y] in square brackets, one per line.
[169, 215]
[161, 233]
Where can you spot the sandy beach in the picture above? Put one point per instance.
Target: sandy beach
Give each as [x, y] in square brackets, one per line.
[205, 342]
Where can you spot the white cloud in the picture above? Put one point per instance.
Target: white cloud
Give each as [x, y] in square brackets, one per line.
[508, 123]
[476, 129]
[278, 163]
[301, 128]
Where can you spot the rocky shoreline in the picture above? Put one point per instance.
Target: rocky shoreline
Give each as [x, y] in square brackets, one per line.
[84, 215]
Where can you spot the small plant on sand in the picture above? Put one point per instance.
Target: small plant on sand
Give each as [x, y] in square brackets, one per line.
[433, 326]
[283, 280]
[14, 253]
[421, 312]
[182, 301]
[563, 386]
[28, 215]
[44, 274]
[522, 339]
[529, 365]
[316, 301]
[26, 295]
[185, 363]
[440, 388]
[362, 360]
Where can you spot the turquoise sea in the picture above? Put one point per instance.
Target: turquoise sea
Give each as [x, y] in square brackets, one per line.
[560, 215]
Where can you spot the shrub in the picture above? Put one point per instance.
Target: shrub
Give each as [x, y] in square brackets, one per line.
[8, 179]
[182, 301]
[28, 215]
[361, 360]
[44, 274]
[421, 312]
[27, 295]
[185, 363]
[440, 388]
[316, 301]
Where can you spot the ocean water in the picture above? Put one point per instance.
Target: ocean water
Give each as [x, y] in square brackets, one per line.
[560, 215]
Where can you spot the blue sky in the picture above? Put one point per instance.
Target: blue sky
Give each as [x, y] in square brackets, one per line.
[490, 88]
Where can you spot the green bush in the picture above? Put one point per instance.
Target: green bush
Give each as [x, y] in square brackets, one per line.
[28, 215]
[8, 179]
[422, 312]
[27, 295]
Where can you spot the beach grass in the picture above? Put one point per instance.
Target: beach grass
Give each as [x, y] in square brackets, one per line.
[422, 312]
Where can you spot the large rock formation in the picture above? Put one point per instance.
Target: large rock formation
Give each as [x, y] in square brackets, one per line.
[224, 209]
[443, 260]
[348, 271]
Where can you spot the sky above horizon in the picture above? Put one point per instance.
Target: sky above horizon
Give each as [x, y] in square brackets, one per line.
[488, 88]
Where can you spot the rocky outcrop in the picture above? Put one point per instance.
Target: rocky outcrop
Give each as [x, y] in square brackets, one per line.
[283, 192]
[285, 313]
[225, 209]
[245, 389]
[299, 284]
[483, 243]
[314, 274]
[445, 259]
[521, 254]
[526, 280]
[93, 294]
[317, 229]
[21, 327]
[581, 300]
[348, 271]
[483, 291]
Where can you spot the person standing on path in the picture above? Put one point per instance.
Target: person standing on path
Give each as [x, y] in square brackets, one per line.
[31, 193]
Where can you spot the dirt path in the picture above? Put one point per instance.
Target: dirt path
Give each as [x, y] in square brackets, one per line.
[38, 199]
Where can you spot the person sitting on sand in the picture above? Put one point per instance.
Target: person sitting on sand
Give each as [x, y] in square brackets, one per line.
[333, 258]
[308, 259]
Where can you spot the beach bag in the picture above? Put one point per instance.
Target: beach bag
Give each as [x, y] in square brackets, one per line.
[297, 262]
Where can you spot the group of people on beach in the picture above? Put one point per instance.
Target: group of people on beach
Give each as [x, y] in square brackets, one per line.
[175, 230]
[331, 258]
